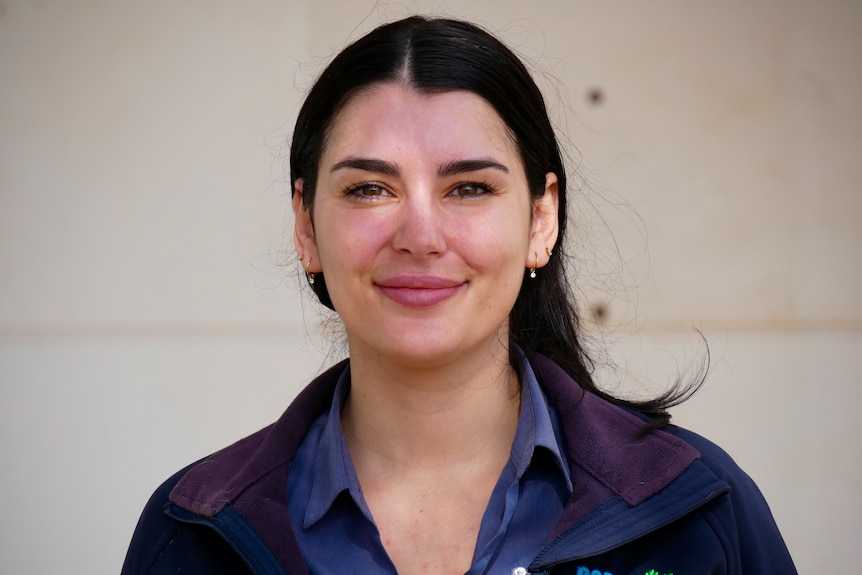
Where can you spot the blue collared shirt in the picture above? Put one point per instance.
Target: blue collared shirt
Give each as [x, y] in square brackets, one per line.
[336, 530]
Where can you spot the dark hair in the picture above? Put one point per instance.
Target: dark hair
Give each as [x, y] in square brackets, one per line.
[441, 55]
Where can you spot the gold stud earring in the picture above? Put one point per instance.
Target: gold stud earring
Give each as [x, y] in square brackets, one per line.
[533, 269]
[549, 252]
[301, 257]
[309, 274]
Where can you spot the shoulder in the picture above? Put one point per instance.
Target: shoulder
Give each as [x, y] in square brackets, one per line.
[613, 445]
[216, 481]
[744, 491]
[717, 459]
[154, 529]
[161, 545]
[741, 517]
[209, 485]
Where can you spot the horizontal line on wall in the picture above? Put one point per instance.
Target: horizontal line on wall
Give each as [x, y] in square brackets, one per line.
[290, 329]
[155, 328]
[813, 325]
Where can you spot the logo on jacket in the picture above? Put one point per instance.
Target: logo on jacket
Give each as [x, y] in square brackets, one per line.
[588, 571]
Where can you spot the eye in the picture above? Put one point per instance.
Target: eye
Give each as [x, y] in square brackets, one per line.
[367, 191]
[470, 190]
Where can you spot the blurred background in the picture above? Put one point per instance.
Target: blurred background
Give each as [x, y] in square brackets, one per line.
[151, 309]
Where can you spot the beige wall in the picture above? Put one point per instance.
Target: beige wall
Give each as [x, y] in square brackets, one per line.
[144, 321]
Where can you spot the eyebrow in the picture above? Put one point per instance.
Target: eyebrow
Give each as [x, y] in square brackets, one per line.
[462, 166]
[367, 165]
[448, 169]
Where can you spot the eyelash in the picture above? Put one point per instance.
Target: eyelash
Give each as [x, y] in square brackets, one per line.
[356, 191]
[482, 188]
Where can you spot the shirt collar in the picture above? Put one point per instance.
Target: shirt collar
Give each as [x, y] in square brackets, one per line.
[333, 468]
[536, 427]
[334, 471]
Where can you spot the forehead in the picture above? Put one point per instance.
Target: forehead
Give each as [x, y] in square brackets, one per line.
[393, 118]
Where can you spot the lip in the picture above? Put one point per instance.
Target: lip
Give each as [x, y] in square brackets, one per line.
[419, 292]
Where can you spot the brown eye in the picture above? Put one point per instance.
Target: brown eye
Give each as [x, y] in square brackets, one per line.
[367, 191]
[469, 190]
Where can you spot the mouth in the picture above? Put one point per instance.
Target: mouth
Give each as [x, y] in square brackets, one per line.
[419, 292]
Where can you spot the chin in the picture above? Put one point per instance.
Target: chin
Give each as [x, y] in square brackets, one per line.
[432, 349]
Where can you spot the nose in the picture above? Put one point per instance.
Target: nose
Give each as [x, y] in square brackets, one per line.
[420, 230]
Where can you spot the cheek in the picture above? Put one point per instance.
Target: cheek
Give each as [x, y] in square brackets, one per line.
[501, 239]
[348, 241]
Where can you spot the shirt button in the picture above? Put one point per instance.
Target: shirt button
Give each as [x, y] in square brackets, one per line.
[519, 571]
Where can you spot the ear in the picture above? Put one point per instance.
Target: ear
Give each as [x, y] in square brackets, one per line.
[545, 226]
[303, 231]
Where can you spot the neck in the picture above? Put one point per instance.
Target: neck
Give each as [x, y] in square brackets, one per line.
[431, 418]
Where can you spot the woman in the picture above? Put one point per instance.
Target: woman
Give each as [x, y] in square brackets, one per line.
[464, 434]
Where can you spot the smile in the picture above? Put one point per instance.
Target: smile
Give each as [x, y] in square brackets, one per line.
[419, 292]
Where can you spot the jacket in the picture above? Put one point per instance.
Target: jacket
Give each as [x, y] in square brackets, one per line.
[665, 502]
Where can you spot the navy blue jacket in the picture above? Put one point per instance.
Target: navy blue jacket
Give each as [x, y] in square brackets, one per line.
[662, 503]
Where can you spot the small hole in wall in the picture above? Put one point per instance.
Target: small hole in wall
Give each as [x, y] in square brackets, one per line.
[595, 96]
[600, 312]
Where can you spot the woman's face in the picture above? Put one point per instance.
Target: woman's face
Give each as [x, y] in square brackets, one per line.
[423, 225]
